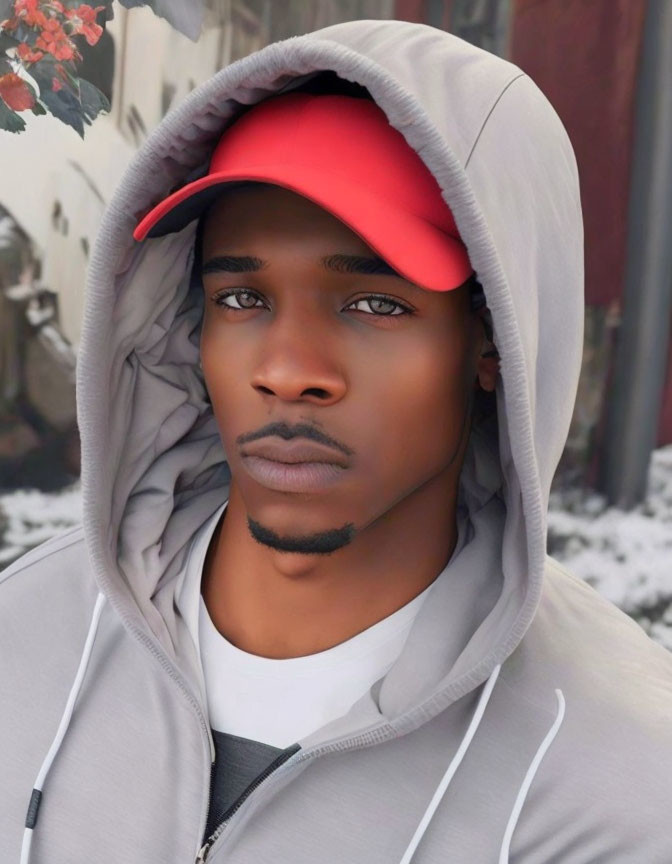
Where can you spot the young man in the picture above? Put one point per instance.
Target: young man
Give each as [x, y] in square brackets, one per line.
[310, 616]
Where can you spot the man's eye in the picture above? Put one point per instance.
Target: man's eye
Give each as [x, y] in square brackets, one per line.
[380, 304]
[246, 301]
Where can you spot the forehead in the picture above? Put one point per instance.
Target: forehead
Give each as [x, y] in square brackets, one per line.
[268, 210]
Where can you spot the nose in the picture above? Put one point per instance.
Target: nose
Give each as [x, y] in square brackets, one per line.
[300, 363]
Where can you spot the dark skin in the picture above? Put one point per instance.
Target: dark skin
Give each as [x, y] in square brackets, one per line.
[293, 573]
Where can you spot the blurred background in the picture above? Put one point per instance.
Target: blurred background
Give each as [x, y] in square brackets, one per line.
[605, 65]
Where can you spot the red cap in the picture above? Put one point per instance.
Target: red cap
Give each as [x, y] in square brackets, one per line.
[342, 153]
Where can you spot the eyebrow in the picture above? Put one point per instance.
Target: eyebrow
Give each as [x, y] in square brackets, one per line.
[337, 263]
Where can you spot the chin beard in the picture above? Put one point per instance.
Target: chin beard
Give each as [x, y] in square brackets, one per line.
[319, 543]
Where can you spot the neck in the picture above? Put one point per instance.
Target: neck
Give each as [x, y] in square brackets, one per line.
[282, 605]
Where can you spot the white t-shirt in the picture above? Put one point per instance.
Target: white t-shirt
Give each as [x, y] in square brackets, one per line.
[278, 702]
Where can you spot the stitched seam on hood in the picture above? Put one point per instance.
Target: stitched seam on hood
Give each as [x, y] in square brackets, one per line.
[487, 117]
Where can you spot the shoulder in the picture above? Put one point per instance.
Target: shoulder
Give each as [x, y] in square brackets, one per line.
[46, 600]
[46, 555]
[46, 590]
[604, 641]
[599, 656]
[608, 769]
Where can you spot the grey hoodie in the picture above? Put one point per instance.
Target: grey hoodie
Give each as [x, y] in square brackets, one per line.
[527, 719]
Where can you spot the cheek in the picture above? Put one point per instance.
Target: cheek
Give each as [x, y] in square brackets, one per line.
[223, 363]
[415, 408]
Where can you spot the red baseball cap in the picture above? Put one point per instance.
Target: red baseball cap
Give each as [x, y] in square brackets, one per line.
[342, 153]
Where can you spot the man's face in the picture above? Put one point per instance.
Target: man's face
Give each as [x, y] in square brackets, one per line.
[367, 360]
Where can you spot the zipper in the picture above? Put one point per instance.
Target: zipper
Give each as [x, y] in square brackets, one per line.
[204, 851]
[375, 734]
[378, 733]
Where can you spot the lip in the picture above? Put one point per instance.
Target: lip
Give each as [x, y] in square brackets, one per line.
[293, 477]
[293, 452]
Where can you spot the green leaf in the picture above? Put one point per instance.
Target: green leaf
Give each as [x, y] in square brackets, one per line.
[75, 109]
[93, 101]
[187, 18]
[64, 106]
[7, 41]
[10, 121]
[45, 71]
[72, 79]
[24, 34]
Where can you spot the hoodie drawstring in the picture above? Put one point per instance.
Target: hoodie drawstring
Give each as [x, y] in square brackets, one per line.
[531, 771]
[36, 796]
[452, 768]
[457, 758]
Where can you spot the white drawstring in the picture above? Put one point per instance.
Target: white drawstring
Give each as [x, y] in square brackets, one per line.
[452, 768]
[36, 795]
[531, 771]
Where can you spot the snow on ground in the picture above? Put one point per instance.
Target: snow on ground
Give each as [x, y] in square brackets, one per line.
[626, 556]
[28, 517]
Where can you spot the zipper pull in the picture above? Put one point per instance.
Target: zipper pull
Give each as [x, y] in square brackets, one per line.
[203, 852]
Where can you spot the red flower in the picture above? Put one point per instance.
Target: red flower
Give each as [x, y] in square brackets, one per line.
[15, 92]
[83, 19]
[29, 12]
[54, 40]
[26, 53]
[56, 84]
[53, 26]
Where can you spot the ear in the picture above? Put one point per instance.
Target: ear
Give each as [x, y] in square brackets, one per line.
[487, 370]
[487, 360]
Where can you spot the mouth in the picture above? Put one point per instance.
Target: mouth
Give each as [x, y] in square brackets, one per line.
[292, 452]
[293, 476]
[293, 466]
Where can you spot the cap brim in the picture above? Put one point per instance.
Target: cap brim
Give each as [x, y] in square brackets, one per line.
[419, 251]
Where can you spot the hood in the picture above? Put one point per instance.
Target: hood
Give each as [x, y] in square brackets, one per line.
[153, 466]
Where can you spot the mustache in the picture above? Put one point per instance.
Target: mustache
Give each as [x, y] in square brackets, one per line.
[296, 430]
